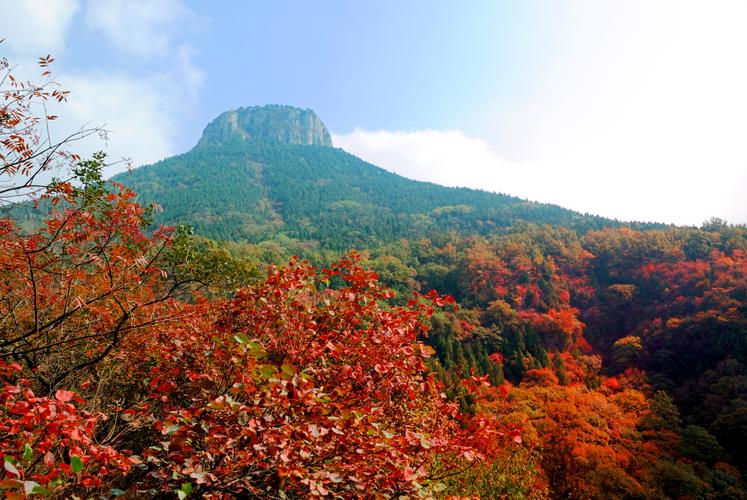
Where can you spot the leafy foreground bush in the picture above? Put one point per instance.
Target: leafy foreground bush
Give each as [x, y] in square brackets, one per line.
[295, 387]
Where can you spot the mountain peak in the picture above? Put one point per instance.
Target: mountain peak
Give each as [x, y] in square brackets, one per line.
[270, 123]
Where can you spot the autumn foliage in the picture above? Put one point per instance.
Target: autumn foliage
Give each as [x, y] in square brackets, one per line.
[295, 386]
[138, 361]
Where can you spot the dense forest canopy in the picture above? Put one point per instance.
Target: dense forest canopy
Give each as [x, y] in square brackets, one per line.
[327, 328]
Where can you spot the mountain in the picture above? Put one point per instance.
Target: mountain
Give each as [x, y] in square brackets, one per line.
[263, 171]
[274, 123]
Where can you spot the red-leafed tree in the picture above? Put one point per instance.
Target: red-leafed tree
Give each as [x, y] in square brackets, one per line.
[48, 443]
[301, 386]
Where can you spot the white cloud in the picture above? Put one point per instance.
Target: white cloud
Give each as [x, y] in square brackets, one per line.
[425, 154]
[646, 105]
[140, 113]
[452, 158]
[447, 157]
[192, 76]
[143, 28]
[641, 116]
[36, 27]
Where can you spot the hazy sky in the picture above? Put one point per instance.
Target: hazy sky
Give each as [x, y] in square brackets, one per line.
[635, 110]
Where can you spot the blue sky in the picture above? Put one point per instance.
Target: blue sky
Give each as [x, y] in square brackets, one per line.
[383, 65]
[633, 110]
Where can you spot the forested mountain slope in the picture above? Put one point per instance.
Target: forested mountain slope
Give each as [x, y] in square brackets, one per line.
[262, 171]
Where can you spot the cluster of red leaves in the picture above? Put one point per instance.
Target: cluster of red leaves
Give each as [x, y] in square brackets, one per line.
[73, 293]
[298, 387]
[714, 284]
[561, 329]
[524, 277]
[47, 442]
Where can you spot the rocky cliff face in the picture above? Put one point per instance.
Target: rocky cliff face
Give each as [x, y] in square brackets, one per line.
[273, 123]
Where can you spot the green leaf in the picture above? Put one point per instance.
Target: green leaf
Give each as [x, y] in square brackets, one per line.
[116, 492]
[267, 371]
[288, 370]
[39, 490]
[76, 463]
[187, 488]
[28, 452]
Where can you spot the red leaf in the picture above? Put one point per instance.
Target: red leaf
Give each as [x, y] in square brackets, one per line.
[63, 395]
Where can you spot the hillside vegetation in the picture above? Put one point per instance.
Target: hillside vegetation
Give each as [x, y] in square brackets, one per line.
[241, 186]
